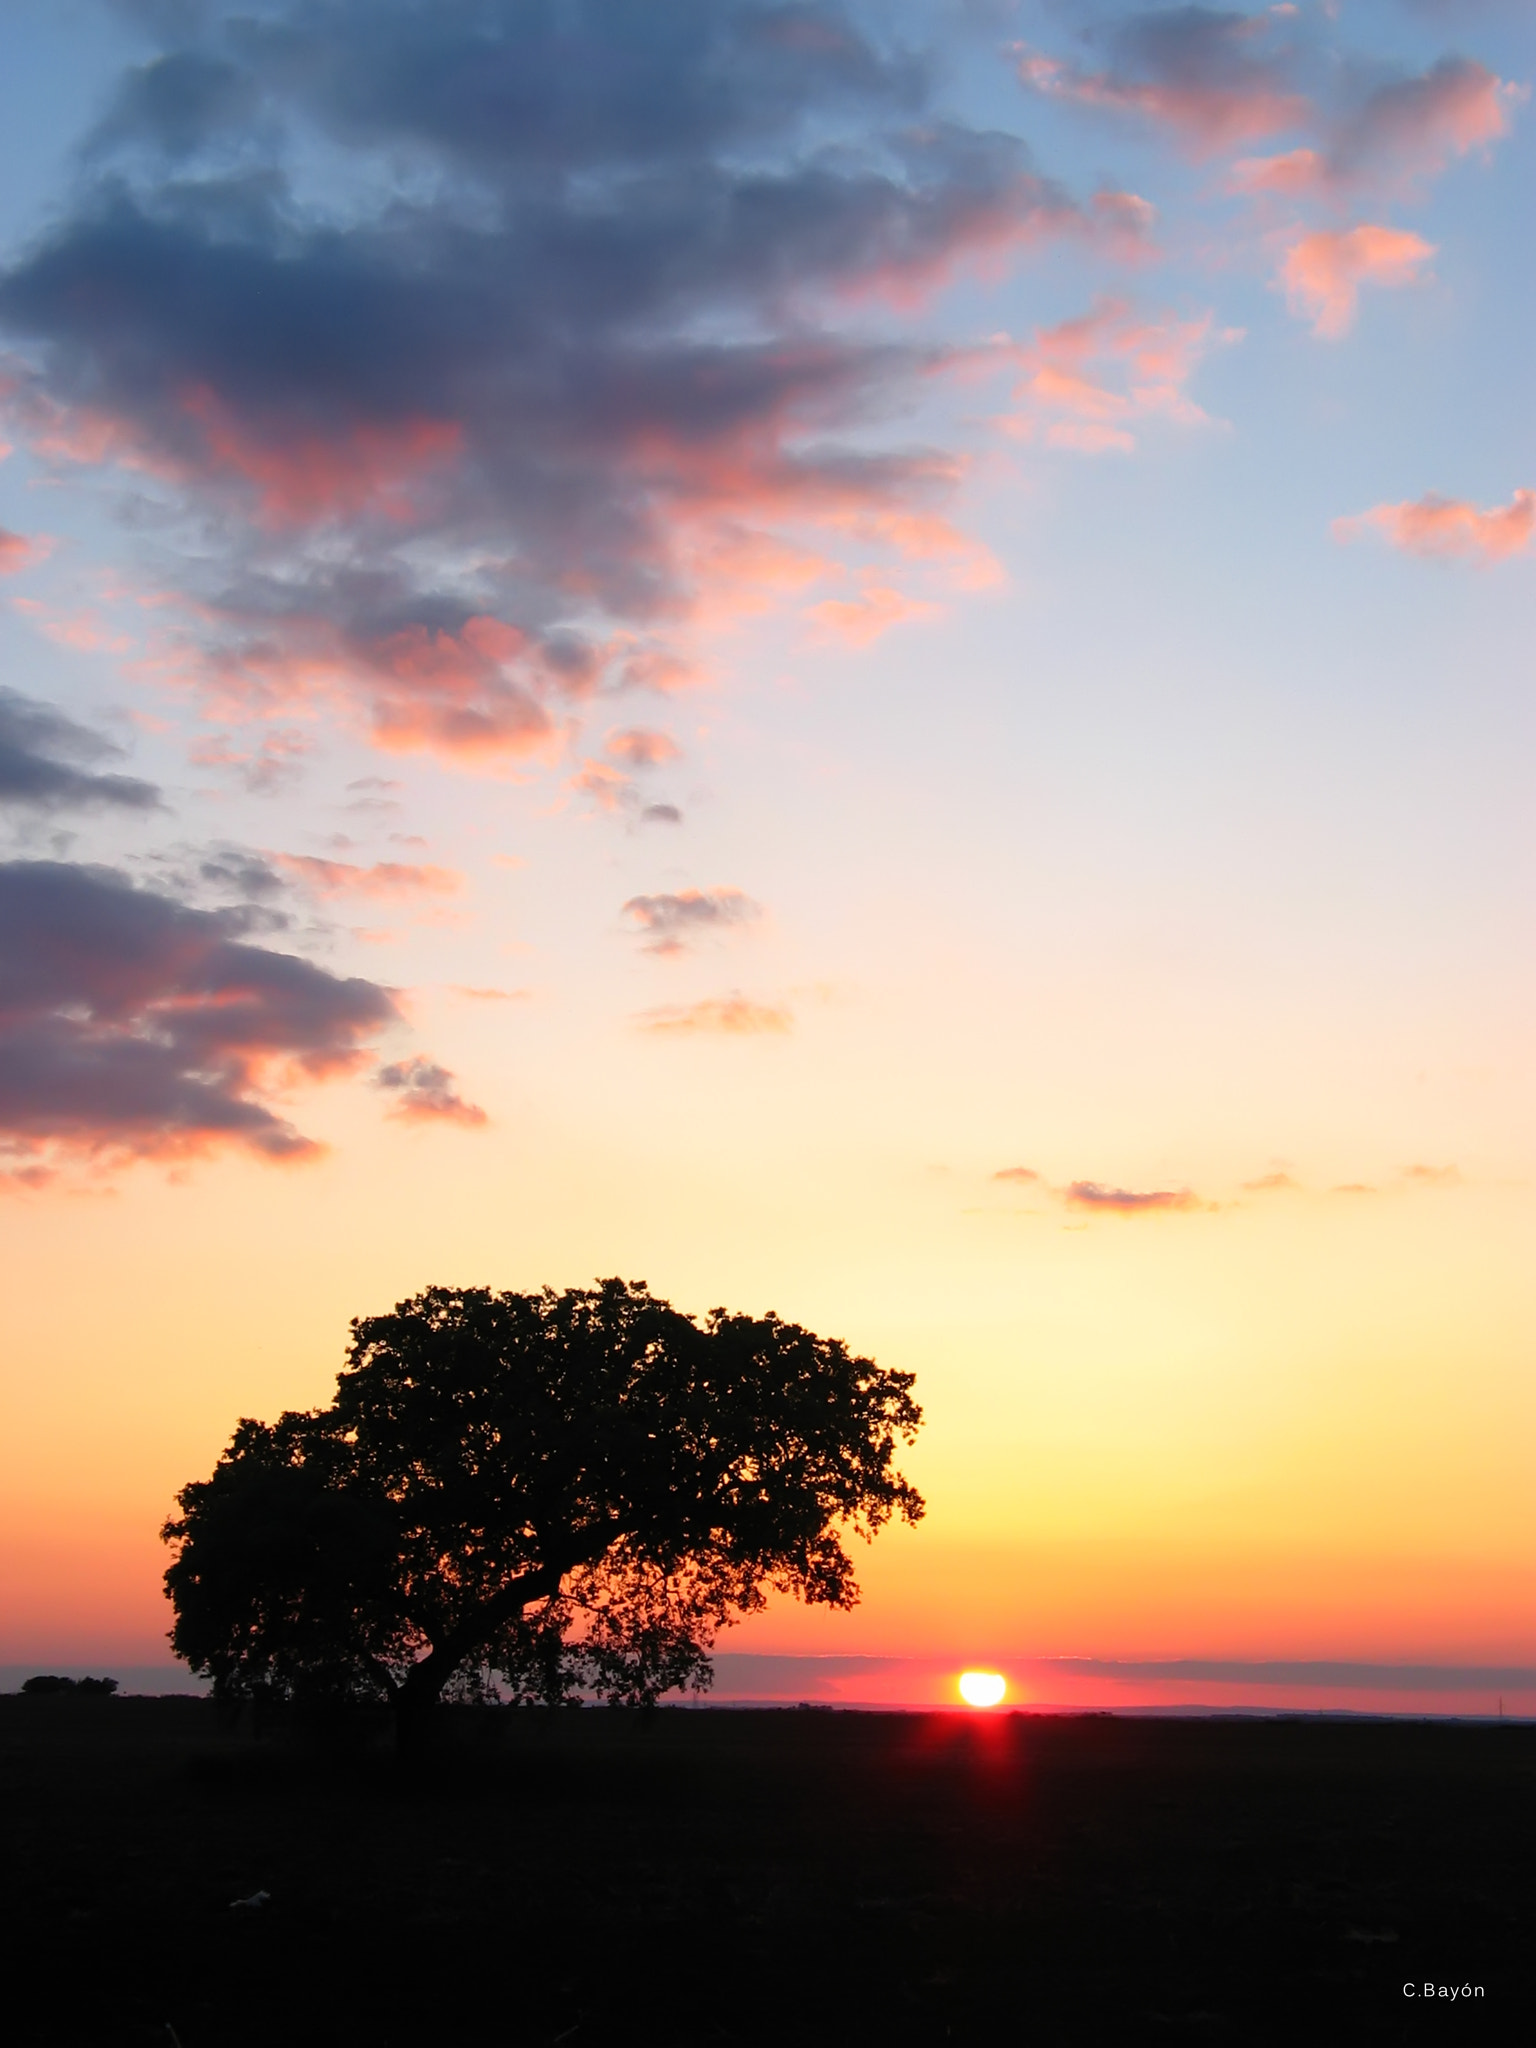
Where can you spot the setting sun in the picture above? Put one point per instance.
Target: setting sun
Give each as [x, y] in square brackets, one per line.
[982, 1688]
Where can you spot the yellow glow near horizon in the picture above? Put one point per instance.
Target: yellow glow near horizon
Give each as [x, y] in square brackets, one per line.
[982, 1688]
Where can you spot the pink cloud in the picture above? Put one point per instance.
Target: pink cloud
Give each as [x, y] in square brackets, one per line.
[91, 437]
[385, 880]
[726, 1016]
[859, 621]
[1127, 221]
[1214, 87]
[1433, 1176]
[1297, 174]
[610, 789]
[20, 551]
[1017, 1173]
[928, 537]
[735, 571]
[471, 694]
[1433, 525]
[486, 690]
[83, 631]
[1398, 136]
[271, 765]
[1413, 127]
[1091, 381]
[1323, 272]
[302, 478]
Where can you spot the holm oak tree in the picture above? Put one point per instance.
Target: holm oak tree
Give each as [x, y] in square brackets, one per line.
[573, 1492]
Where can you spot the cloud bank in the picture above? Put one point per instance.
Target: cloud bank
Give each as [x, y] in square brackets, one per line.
[581, 307]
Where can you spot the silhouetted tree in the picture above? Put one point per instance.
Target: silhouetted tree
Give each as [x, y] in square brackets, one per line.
[47, 1681]
[571, 1491]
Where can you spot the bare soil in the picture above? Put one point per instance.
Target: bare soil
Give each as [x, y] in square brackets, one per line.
[795, 1877]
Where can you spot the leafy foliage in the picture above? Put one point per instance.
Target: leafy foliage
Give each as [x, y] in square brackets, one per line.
[573, 1492]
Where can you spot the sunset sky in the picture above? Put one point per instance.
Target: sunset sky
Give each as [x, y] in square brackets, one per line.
[870, 661]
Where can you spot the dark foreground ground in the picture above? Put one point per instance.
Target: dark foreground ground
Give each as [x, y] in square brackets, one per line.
[733, 1877]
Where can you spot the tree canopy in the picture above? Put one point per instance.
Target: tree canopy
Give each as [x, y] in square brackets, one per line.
[571, 1491]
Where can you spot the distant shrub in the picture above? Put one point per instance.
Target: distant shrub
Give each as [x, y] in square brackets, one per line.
[47, 1682]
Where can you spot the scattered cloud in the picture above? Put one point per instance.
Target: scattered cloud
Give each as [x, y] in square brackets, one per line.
[424, 1093]
[661, 814]
[48, 762]
[726, 1016]
[639, 747]
[491, 995]
[273, 764]
[385, 880]
[1322, 273]
[1095, 1196]
[1217, 79]
[1398, 134]
[1089, 1194]
[1433, 525]
[669, 922]
[240, 870]
[133, 1025]
[1211, 78]
[609, 789]
[1409, 129]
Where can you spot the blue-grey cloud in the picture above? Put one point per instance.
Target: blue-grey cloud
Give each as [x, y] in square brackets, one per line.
[1089, 1194]
[48, 762]
[1220, 79]
[669, 921]
[132, 1024]
[424, 1092]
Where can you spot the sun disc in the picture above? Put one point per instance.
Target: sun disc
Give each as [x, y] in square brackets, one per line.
[982, 1688]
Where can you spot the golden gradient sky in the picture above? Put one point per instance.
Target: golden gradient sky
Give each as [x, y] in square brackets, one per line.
[1065, 923]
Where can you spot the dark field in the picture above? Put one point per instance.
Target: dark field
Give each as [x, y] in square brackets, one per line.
[795, 1877]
